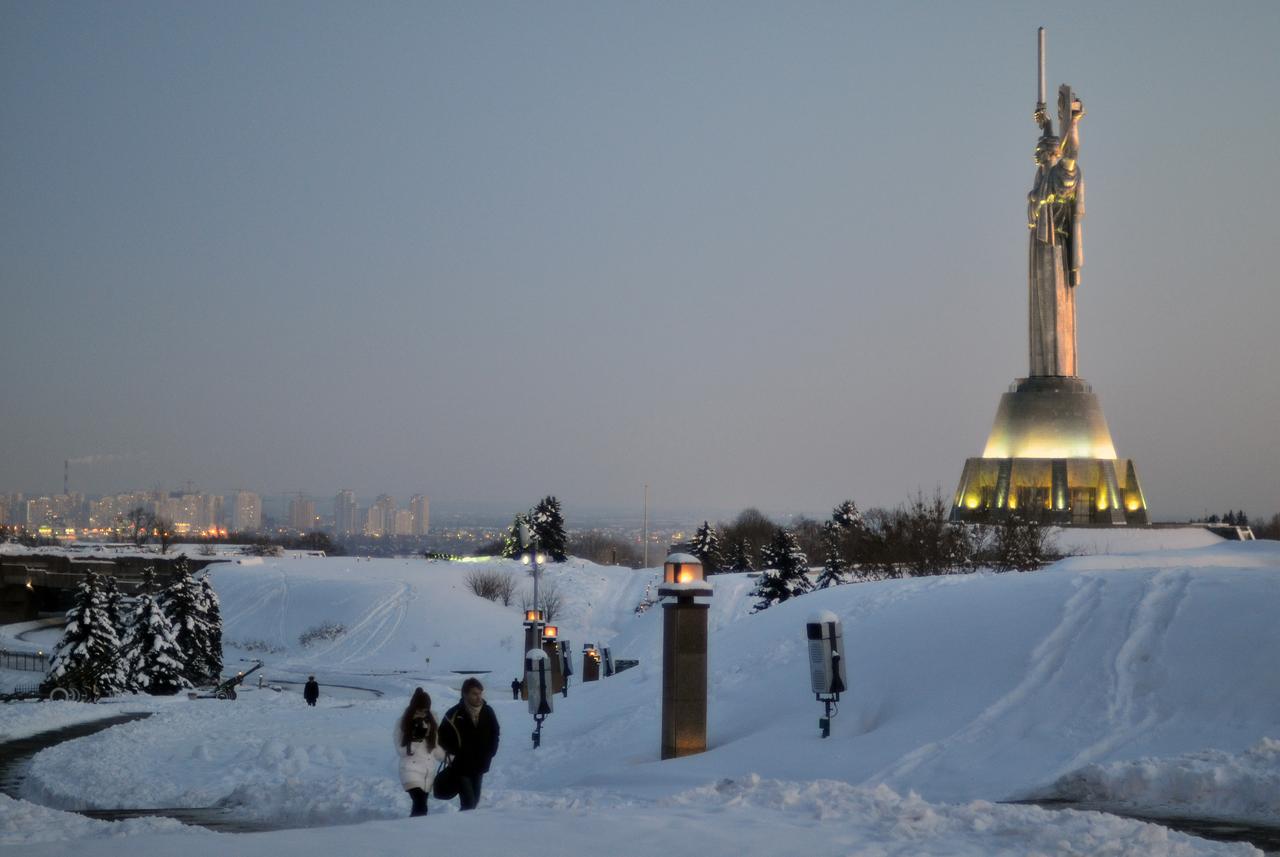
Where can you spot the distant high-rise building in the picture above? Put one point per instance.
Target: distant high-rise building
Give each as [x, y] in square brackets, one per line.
[302, 513]
[246, 516]
[345, 513]
[381, 519]
[421, 510]
[403, 523]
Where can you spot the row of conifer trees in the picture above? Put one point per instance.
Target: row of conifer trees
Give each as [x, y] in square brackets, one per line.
[159, 642]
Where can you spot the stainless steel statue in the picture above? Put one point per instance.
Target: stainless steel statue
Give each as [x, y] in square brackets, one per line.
[1055, 209]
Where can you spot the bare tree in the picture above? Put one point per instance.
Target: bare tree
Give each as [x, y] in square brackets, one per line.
[493, 585]
[164, 533]
[550, 601]
[138, 523]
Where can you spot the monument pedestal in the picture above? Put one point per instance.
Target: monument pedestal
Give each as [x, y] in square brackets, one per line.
[1050, 458]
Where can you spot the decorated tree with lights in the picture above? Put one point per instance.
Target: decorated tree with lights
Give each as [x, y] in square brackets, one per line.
[706, 547]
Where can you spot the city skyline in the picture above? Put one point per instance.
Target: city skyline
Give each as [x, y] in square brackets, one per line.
[756, 256]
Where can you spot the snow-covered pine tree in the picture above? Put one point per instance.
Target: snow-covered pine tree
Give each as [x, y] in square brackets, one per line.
[155, 660]
[87, 657]
[113, 598]
[548, 525]
[741, 560]
[833, 567]
[181, 604]
[706, 547]
[847, 517]
[212, 610]
[787, 575]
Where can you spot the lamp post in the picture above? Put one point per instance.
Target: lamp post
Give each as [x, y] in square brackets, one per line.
[551, 646]
[590, 663]
[532, 639]
[684, 656]
[529, 542]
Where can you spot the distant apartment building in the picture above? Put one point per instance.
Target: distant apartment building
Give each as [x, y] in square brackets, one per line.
[381, 518]
[246, 513]
[60, 512]
[421, 511]
[302, 513]
[403, 525]
[346, 514]
[109, 512]
[191, 514]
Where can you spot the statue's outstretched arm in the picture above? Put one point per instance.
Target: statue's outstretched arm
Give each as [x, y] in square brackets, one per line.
[1071, 135]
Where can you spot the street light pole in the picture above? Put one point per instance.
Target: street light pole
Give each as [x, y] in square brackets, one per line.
[531, 543]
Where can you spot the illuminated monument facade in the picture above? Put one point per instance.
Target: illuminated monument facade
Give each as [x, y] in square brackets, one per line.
[1050, 455]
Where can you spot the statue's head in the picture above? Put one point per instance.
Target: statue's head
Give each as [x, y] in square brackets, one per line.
[1047, 150]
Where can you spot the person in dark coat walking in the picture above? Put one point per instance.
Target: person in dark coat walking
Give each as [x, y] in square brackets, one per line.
[311, 690]
[469, 734]
[515, 688]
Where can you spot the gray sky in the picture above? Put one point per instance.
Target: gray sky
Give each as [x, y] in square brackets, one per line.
[752, 254]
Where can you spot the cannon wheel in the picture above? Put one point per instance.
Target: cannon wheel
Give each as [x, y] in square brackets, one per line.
[229, 693]
[59, 694]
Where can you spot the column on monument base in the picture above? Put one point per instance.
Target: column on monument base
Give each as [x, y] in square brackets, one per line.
[1059, 491]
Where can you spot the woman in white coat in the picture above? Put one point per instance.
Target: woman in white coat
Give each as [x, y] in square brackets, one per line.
[417, 744]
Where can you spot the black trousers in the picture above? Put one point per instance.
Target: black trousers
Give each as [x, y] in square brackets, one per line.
[469, 790]
[419, 798]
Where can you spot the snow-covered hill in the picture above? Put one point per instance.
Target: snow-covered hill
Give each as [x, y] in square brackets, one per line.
[966, 688]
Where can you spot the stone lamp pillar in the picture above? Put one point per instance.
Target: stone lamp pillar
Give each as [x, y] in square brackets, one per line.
[551, 645]
[684, 657]
[590, 663]
[533, 625]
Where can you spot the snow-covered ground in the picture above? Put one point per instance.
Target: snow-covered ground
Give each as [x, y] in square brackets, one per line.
[1140, 675]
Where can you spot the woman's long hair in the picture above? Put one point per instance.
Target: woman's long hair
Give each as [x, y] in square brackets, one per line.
[419, 701]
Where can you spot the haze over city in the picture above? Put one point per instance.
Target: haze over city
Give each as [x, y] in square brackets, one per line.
[749, 255]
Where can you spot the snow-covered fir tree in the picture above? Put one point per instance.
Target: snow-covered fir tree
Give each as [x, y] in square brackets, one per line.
[212, 610]
[87, 657]
[741, 559]
[548, 526]
[706, 547]
[833, 567]
[786, 577]
[119, 612]
[181, 604]
[156, 663]
[847, 517]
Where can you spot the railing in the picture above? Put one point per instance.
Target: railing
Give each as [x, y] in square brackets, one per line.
[30, 661]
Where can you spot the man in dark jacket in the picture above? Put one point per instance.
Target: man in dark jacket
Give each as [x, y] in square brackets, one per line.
[311, 690]
[469, 734]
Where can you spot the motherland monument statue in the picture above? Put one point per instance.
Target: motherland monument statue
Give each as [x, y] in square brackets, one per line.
[1050, 456]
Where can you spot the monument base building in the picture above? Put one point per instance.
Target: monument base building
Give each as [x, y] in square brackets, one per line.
[1050, 458]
